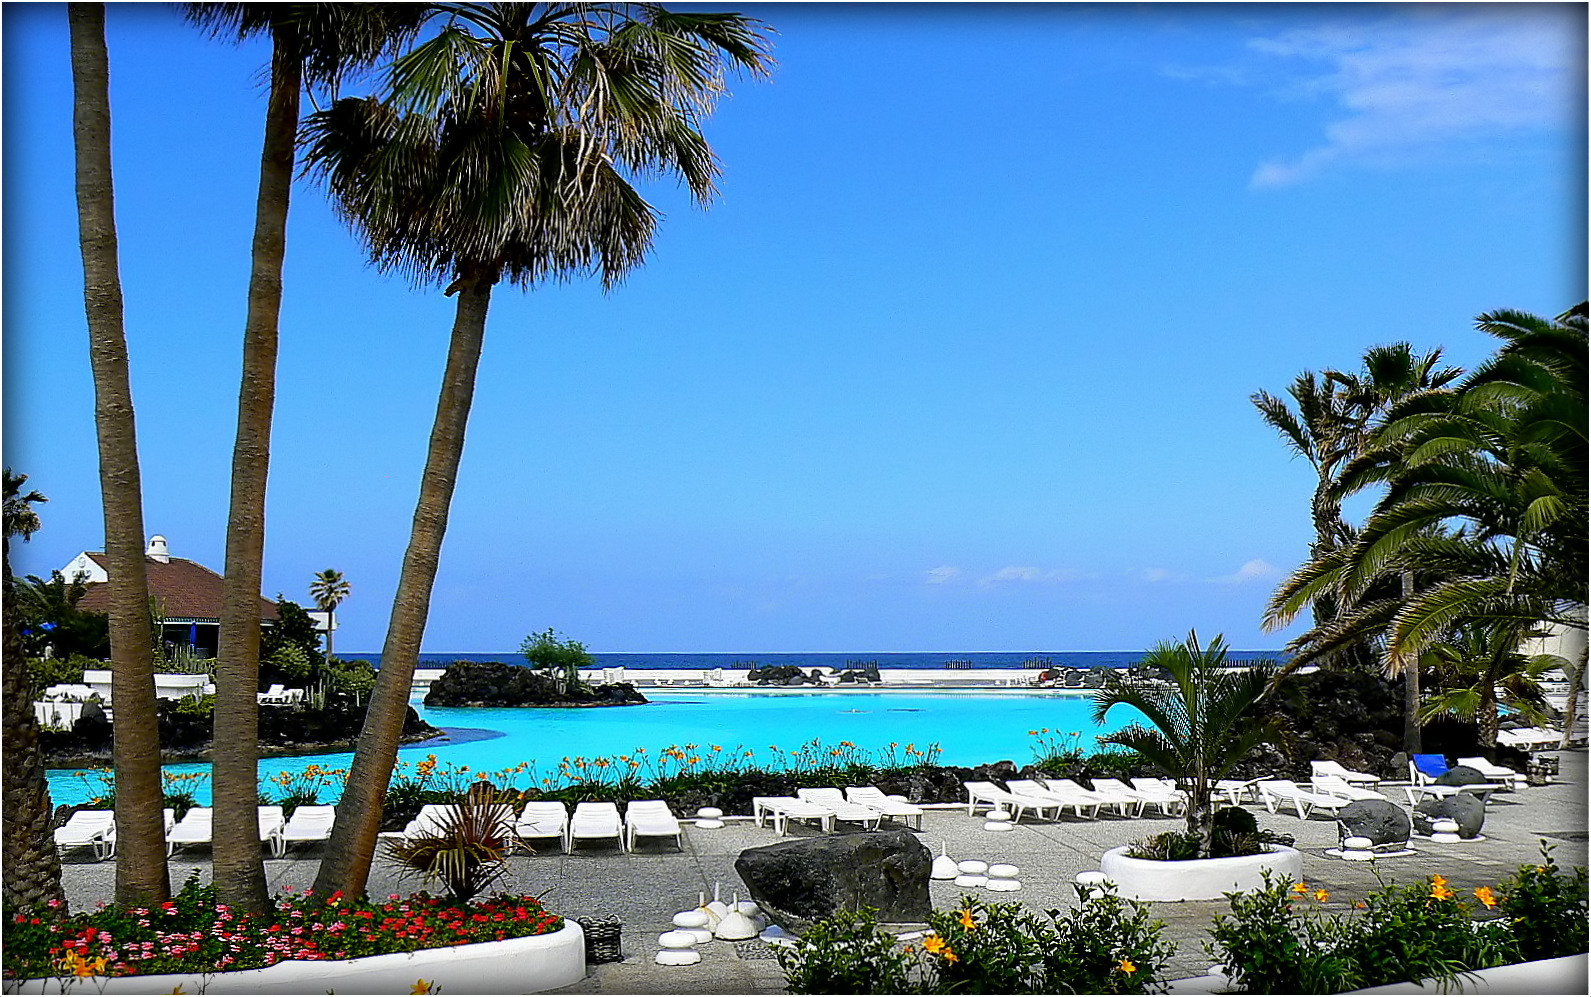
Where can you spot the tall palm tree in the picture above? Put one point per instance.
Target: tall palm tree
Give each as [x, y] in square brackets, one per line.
[328, 590]
[504, 152]
[314, 43]
[141, 875]
[1201, 724]
[1504, 457]
[32, 867]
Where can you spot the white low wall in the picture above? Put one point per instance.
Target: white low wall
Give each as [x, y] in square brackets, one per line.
[512, 966]
[1200, 879]
[1549, 976]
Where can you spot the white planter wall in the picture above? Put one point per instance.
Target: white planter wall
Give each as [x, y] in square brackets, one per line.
[1197, 879]
[512, 966]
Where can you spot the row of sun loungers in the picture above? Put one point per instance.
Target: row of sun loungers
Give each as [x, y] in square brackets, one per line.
[864, 805]
[1040, 795]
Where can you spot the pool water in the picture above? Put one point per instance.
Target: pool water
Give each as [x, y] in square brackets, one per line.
[970, 728]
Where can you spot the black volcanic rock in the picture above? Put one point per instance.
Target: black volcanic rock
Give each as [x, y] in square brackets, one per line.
[799, 882]
[493, 683]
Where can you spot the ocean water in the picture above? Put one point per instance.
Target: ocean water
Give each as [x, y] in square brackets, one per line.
[930, 659]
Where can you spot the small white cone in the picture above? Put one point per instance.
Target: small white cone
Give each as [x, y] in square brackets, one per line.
[736, 926]
[718, 907]
[944, 866]
[707, 908]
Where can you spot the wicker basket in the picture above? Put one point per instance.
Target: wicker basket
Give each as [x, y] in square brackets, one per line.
[602, 937]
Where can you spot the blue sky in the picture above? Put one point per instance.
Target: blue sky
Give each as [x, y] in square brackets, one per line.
[960, 360]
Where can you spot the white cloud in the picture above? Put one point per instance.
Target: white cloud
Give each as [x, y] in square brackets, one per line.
[1022, 573]
[942, 574]
[1411, 86]
[1156, 574]
[1251, 571]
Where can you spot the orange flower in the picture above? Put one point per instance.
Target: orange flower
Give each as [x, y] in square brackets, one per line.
[1439, 888]
[1322, 895]
[966, 919]
[421, 987]
[935, 945]
[1300, 888]
[1486, 896]
[1126, 966]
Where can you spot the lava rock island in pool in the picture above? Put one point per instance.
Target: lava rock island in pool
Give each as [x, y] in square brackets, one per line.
[493, 683]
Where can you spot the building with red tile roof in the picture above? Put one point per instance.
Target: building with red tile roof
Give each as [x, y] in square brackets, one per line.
[186, 593]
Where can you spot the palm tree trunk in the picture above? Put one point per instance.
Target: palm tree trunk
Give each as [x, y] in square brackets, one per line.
[1412, 741]
[346, 866]
[1571, 706]
[141, 875]
[239, 869]
[32, 867]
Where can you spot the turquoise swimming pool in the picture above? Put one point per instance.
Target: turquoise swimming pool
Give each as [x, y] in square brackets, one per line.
[970, 728]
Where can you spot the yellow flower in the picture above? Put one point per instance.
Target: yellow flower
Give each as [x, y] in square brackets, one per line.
[1439, 888]
[966, 919]
[421, 987]
[1126, 966]
[935, 945]
[1322, 895]
[178, 989]
[1486, 896]
[950, 956]
[1300, 889]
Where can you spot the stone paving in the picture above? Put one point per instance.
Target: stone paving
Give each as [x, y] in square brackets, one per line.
[645, 888]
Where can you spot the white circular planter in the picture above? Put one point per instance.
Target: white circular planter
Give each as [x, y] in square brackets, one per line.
[1198, 879]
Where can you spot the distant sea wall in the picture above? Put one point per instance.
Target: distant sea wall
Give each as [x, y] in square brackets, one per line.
[835, 661]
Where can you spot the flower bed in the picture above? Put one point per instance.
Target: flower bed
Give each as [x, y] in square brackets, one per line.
[193, 934]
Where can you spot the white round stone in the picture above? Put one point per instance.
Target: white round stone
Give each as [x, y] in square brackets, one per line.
[1094, 878]
[711, 813]
[1446, 825]
[1445, 838]
[1355, 855]
[693, 918]
[1002, 871]
[1003, 885]
[1357, 842]
[676, 939]
[998, 825]
[968, 879]
[678, 957]
[998, 814]
[972, 866]
[708, 823]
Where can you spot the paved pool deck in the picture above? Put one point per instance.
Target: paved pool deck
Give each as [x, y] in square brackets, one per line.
[645, 888]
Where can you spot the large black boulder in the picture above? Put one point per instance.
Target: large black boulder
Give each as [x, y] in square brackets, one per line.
[493, 683]
[1461, 775]
[805, 880]
[1382, 821]
[1465, 808]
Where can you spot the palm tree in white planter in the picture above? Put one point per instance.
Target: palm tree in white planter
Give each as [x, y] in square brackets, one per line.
[1203, 720]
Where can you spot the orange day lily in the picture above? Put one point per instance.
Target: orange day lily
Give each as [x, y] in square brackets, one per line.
[1439, 888]
[1126, 966]
[1321, 895]
[966, 919]
[1486, 896]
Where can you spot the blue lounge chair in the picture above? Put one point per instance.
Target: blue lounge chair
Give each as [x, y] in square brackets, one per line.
[1427, 768]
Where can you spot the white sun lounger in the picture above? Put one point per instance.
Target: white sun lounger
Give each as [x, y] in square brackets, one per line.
[94, 829]
[874, 799]
[271, 823]
[1333, 785]
[1162, 786]
[1121, 801]
[1278, 791]
[194, 828]
[843, 808]
[1164, 799]
[1236, 789]
[544, 819]
[1417, 793]
[1059, 799]
[651, 819]
[596, 820]
[1329, 767]
[307, 825]
[784, 809]
[988, 792]
[1494, 773]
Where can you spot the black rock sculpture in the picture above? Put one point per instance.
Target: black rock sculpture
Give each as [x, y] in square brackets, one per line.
[802, 881]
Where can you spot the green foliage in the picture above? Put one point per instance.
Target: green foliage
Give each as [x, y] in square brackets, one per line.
[847, 954]
[560, 659]
[1277, 939]
[353, 678]
[293, 628]
[1233, 832]
[291, 661]
[466, 852]
[1547, 910]
[1104, 945]
[45, 672]
[195, 706]
[48, 618]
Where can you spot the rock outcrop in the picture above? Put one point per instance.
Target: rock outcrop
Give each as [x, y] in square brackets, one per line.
[802, 881]
[493, 683]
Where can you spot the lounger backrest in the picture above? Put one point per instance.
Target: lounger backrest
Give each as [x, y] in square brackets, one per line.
[1431, 765]
[827, 796]
[1025, 787]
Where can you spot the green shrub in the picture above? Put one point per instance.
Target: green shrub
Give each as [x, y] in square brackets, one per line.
[1105, 945]
[465, 852]
[1270, 946]
[1546, 909]
[847, 954]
